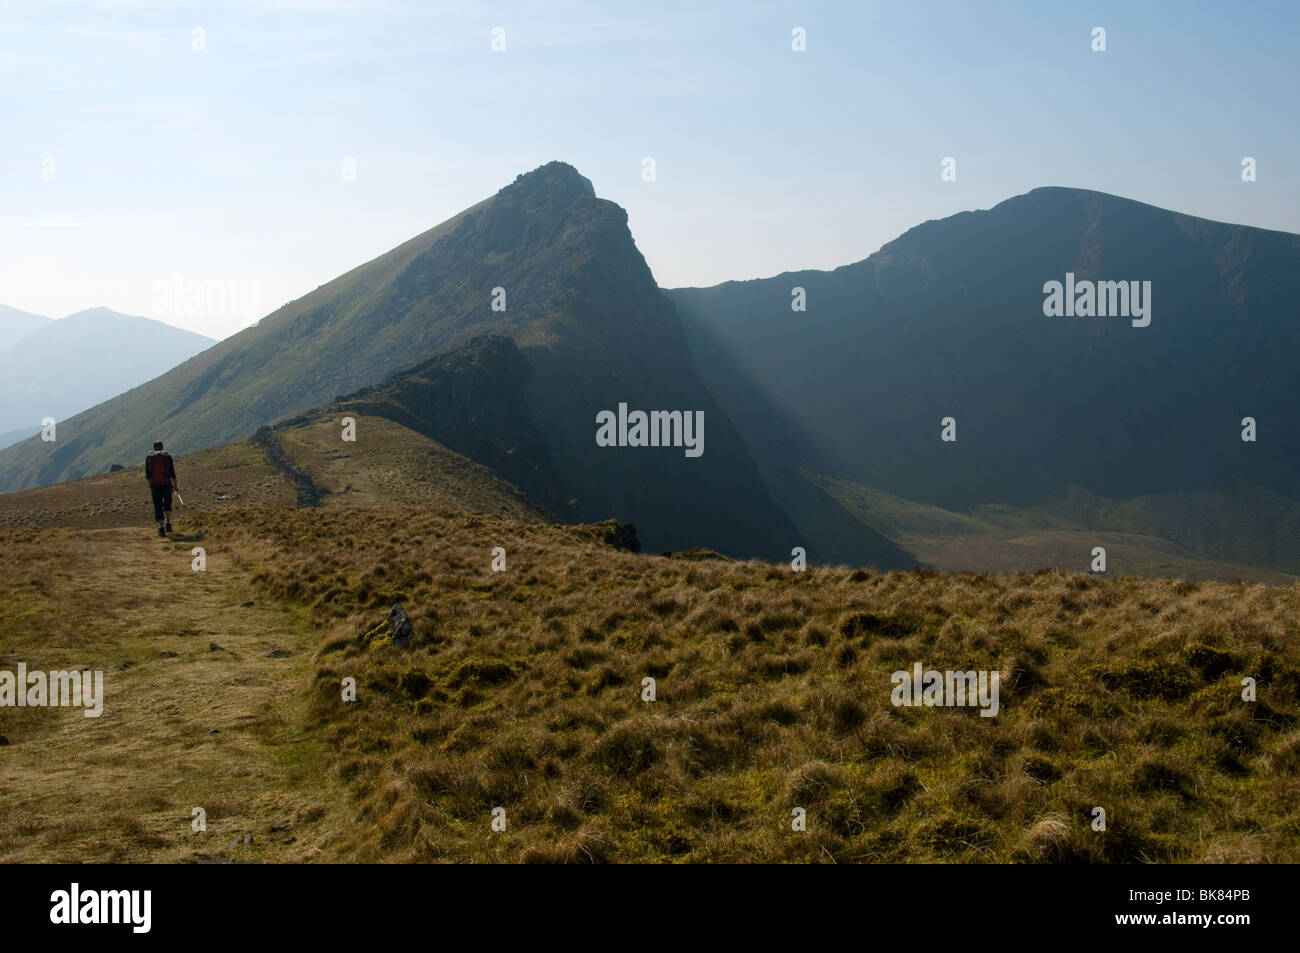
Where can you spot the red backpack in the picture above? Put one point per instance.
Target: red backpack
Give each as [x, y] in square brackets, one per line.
[160, 468]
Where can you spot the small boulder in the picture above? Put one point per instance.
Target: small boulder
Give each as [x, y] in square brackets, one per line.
[396, 630]
[278, 653]
[400, 626]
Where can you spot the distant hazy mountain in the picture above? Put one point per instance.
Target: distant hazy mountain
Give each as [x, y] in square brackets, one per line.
[570, 290]
[949, 321]
[69, 365]
[13, 436]
[15, 324]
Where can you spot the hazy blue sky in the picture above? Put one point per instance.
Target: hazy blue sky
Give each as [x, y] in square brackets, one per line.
[225, 165]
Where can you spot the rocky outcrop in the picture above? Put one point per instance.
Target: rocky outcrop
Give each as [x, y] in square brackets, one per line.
[471, 400]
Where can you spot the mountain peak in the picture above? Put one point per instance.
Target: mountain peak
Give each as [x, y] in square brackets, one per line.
[1056, 199]
[554, 179]
[99, 312]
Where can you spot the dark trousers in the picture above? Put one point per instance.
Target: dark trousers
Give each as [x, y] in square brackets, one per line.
[162, 500]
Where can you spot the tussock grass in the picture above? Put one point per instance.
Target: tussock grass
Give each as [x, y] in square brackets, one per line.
[523, 691]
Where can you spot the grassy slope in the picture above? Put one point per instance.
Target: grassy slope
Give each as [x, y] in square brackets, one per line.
[523, 690]
[773, 692]
[230, 476]
[87, 584]
[388, 463]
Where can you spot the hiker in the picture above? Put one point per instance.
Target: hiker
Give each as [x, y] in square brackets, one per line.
[160, 471]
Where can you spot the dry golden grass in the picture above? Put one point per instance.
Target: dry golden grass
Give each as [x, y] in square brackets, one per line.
[223, 478]
[523, 691]
[388, 463]
[122, 787]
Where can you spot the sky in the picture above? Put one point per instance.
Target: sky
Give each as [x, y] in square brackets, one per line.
[205, 163]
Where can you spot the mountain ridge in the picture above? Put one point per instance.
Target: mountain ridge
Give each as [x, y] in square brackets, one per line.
[544, 262]
[810, 413]
[948, 321]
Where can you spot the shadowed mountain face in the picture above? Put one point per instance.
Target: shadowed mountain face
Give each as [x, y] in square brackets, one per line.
[472, 401]
[948, 321]
[592, 328]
